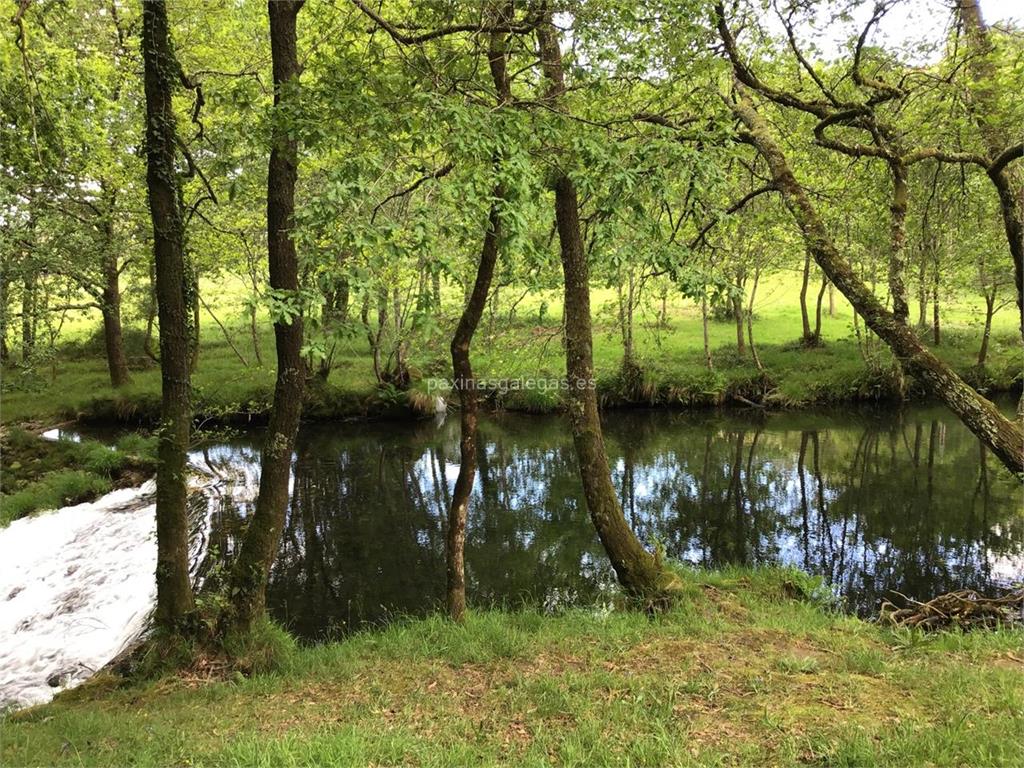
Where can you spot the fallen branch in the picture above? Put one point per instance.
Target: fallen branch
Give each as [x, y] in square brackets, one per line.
[965, 609]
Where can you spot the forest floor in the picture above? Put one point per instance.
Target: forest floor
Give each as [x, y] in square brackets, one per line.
[740, 673]
[231, 386]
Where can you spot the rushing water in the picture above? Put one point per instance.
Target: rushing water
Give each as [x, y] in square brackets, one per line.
[872, 500]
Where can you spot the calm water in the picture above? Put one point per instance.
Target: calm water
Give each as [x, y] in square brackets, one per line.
[872, 500]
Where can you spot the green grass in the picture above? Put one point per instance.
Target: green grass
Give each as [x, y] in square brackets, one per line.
[76, 385]
[37, 473]
[58, 489]
[737, 674]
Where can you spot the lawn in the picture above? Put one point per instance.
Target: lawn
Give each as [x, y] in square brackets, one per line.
[740, 673]
[74, 383]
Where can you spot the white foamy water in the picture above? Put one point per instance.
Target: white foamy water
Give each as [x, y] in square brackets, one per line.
[77, 584]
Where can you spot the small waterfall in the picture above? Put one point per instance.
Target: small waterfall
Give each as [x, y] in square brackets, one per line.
[77, 584]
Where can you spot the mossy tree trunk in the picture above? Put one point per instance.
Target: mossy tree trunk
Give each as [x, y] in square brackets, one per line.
[251, 569]
[898, 239]
[174, 599]
[1000, 434]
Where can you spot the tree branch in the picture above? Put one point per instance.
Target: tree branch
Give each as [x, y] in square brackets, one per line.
[439, 173]
[401, 38]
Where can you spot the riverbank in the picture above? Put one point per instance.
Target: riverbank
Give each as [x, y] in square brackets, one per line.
[225, 392]
[741, 673]
[40, 474]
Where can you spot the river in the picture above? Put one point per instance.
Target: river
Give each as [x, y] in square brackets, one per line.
[872, 500]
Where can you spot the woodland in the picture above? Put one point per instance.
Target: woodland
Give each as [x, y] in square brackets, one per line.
[219, 217]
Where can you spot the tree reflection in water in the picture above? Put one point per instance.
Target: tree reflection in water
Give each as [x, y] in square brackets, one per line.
[871, 500]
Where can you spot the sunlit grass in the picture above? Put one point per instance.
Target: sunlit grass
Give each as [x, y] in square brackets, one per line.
[522, 346]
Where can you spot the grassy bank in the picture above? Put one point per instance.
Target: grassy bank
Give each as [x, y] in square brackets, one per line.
[43, 474]
[739, 674]
[671, 359]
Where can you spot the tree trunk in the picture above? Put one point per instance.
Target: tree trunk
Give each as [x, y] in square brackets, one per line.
[629, 356]
[465, 386]
[897, 256]
[979, 415]
[110, 298]
[638, 571]
[990, 308]
[1011, 205]
[804, 315]
[462, 370]
[174, 599]
[750, 321]
[817, 310]
[737, 315]
[4, 350]
[254, 334]
[707, 338]
[401, 375]
[936, 278]
[922, 291]
[252, 568]
[113, 338]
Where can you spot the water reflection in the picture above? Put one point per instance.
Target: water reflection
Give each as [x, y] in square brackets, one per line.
[873, 501]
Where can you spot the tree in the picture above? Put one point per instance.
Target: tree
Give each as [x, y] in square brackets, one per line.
[174, 600]
[639, 572]
[252, 567]
[979, 415]
[462, 369]
[984, 109]
[75, 169]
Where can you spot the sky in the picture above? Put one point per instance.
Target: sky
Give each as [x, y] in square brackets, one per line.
[907, 25]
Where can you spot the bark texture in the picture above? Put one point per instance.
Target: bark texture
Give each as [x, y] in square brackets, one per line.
[252, 568]
[1000, 434]
[174, 600]
[898, 240]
